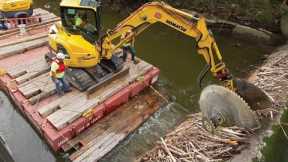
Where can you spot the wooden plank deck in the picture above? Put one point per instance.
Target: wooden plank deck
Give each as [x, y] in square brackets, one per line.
[4, 42]
[14, 49]
[73, 109]
[37, 88]
[24, 72]
[102, 137]
[33, 79]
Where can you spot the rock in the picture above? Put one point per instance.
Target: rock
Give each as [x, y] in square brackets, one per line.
[284, 25]
[245, 31]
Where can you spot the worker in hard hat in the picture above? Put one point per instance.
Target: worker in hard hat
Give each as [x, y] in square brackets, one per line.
[57, 74]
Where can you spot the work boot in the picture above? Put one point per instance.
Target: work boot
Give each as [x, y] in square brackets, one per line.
[68, 90]
[60, 93]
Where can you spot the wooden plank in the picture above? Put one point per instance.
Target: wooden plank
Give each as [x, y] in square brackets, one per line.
[46, 91]
[49, 109]
[34, 71]
[102, 137]
[59, 103]
[61, 117]
[39, 80]
[36, 82]
[27, 71]
[69, 112]
[8, 51]
[38, 88]
[24, 39]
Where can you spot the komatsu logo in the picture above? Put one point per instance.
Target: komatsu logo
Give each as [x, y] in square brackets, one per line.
[176, 25]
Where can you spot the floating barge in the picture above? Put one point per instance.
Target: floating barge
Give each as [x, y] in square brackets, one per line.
[85, 125]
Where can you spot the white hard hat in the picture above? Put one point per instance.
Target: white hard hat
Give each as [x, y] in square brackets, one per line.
[60, 56]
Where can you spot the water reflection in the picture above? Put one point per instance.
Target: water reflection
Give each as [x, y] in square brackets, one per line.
[24, 143]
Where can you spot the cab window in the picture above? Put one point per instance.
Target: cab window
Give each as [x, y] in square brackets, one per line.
[80, 21]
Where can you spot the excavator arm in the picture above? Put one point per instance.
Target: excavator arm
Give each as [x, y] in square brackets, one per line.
[183, 22]
[219, 105]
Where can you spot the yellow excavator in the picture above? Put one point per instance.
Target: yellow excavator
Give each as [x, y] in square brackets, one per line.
[91, 55]
[16, 8]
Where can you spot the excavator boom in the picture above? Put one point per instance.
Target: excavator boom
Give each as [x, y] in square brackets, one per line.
[186, 23]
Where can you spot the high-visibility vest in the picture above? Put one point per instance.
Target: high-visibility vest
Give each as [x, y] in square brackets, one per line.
[60, 69]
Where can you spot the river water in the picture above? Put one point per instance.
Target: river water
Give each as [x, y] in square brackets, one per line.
[175, 55]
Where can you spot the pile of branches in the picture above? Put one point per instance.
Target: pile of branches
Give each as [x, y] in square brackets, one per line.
[273, 75]
[190, 142]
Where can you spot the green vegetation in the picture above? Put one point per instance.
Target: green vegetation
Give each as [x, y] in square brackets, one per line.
[276, 149]
[256, 13]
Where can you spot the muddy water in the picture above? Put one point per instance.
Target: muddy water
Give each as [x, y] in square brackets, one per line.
[175, 55]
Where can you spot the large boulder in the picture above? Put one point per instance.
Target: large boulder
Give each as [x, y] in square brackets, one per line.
[284, 24]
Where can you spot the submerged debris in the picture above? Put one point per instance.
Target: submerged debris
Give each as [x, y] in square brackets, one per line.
[190, 142]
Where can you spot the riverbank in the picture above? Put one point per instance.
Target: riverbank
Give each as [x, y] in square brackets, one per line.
[265, 14]
[251, 30]
[272, 76]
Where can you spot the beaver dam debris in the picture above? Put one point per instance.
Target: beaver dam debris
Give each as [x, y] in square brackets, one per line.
[190, 142]
[272, 76]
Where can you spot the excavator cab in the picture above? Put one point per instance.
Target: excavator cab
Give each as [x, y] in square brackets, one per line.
[78, 33]
[82, 21]
[78, 37]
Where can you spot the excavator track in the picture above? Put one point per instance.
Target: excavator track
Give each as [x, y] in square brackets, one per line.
[79, 79]
[90, 78]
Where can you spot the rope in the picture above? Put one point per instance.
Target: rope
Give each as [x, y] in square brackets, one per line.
[159, 94]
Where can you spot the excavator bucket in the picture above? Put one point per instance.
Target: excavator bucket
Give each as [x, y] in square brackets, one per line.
[221, 106]
[256, 98]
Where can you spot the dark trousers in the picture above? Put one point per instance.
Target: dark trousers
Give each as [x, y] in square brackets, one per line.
[129, 49]
[61, 86]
